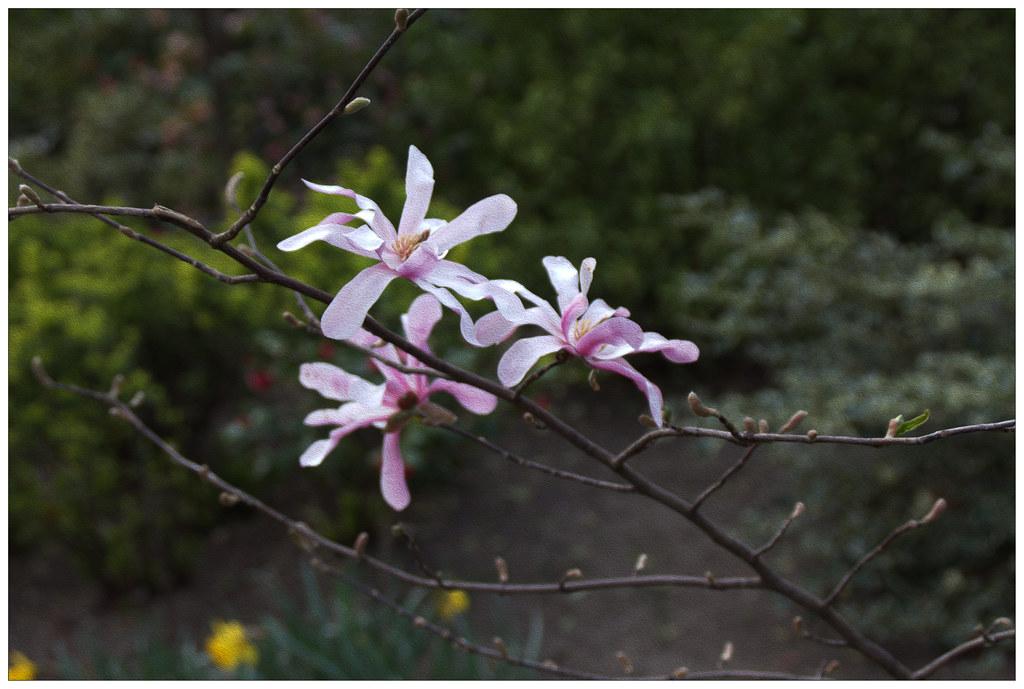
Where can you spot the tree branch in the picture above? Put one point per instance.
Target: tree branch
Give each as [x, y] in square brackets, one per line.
[551, 471]
[975, 644]
[250, 213]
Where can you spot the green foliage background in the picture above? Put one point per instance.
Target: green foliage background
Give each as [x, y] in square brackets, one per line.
[822, 200]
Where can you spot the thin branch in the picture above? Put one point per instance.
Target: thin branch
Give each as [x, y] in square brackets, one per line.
[710, 490]
[125, 412]
[250, 213]
[871, 555]
[560, 358]
[129, 232]
[1008, 426]
[500, 653]
[797, 511]
[551, 471]
[975, 644]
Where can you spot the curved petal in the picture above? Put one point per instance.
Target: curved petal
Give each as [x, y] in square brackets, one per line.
[472, 285]
[564, 278]
[466, 325]
[337, 384]
[655, 401]
[420, 319]
[587, 274]
[347, 311]
[676, 351]
[570, 312]
[392, 474]
[336, 234]
[419, 185]
[522, 355]
[315, 453]
[472, 399]
[379, 222]
[492, 214]
[614, 332]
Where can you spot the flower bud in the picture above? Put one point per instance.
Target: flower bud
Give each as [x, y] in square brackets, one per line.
[360, 545]
[798, 509]
[401, 19]
[935, 512]
[625, 662]
[793, 421]
[762, 426]
[228, 499]
[798, 623]
[419, 622]
[680, 672]
[646, 420]
[812, 435]
[726, 652]
[894, 424]
[137, 399]
[356, 104]
[748, 425]
[502, 567]
[30, 193]
[698, 407]
[830, 667]
[592, 379]
[499, 644]
[641, 563]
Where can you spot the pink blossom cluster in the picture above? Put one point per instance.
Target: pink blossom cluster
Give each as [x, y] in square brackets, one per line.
[592, 331]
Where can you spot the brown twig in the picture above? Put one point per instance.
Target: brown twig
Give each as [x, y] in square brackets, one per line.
[975, 644]
[551, 471]
[873, 553]
[560, 358]
[710, 490]
[798, 509]
[125, 412]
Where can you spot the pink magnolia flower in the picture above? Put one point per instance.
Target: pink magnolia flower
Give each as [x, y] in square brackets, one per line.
[386, 405]
[415, 251]
[592, 330]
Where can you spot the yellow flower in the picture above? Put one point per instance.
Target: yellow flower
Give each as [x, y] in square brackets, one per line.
[452, 604]
[21, 667]
[228, 646]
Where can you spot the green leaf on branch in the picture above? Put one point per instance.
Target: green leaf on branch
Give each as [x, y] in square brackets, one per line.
[913, 423]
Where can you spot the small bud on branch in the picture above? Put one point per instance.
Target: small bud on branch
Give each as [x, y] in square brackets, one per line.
[641, 564]
[360, 545]
[726, 653]
[793, 421]
[646, 420]
[625, 662]
[227, 499]
[401, 19]
[935, 512]
[680, 672]
[749, 425]
[698, 407]
[356, 104]
[502, 567]
[762, 426]
[30, 193]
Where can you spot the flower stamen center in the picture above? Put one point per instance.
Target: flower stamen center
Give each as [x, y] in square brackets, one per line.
[404, 245]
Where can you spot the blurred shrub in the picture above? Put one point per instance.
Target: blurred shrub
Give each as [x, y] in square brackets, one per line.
[218, 365]
[857, 327]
